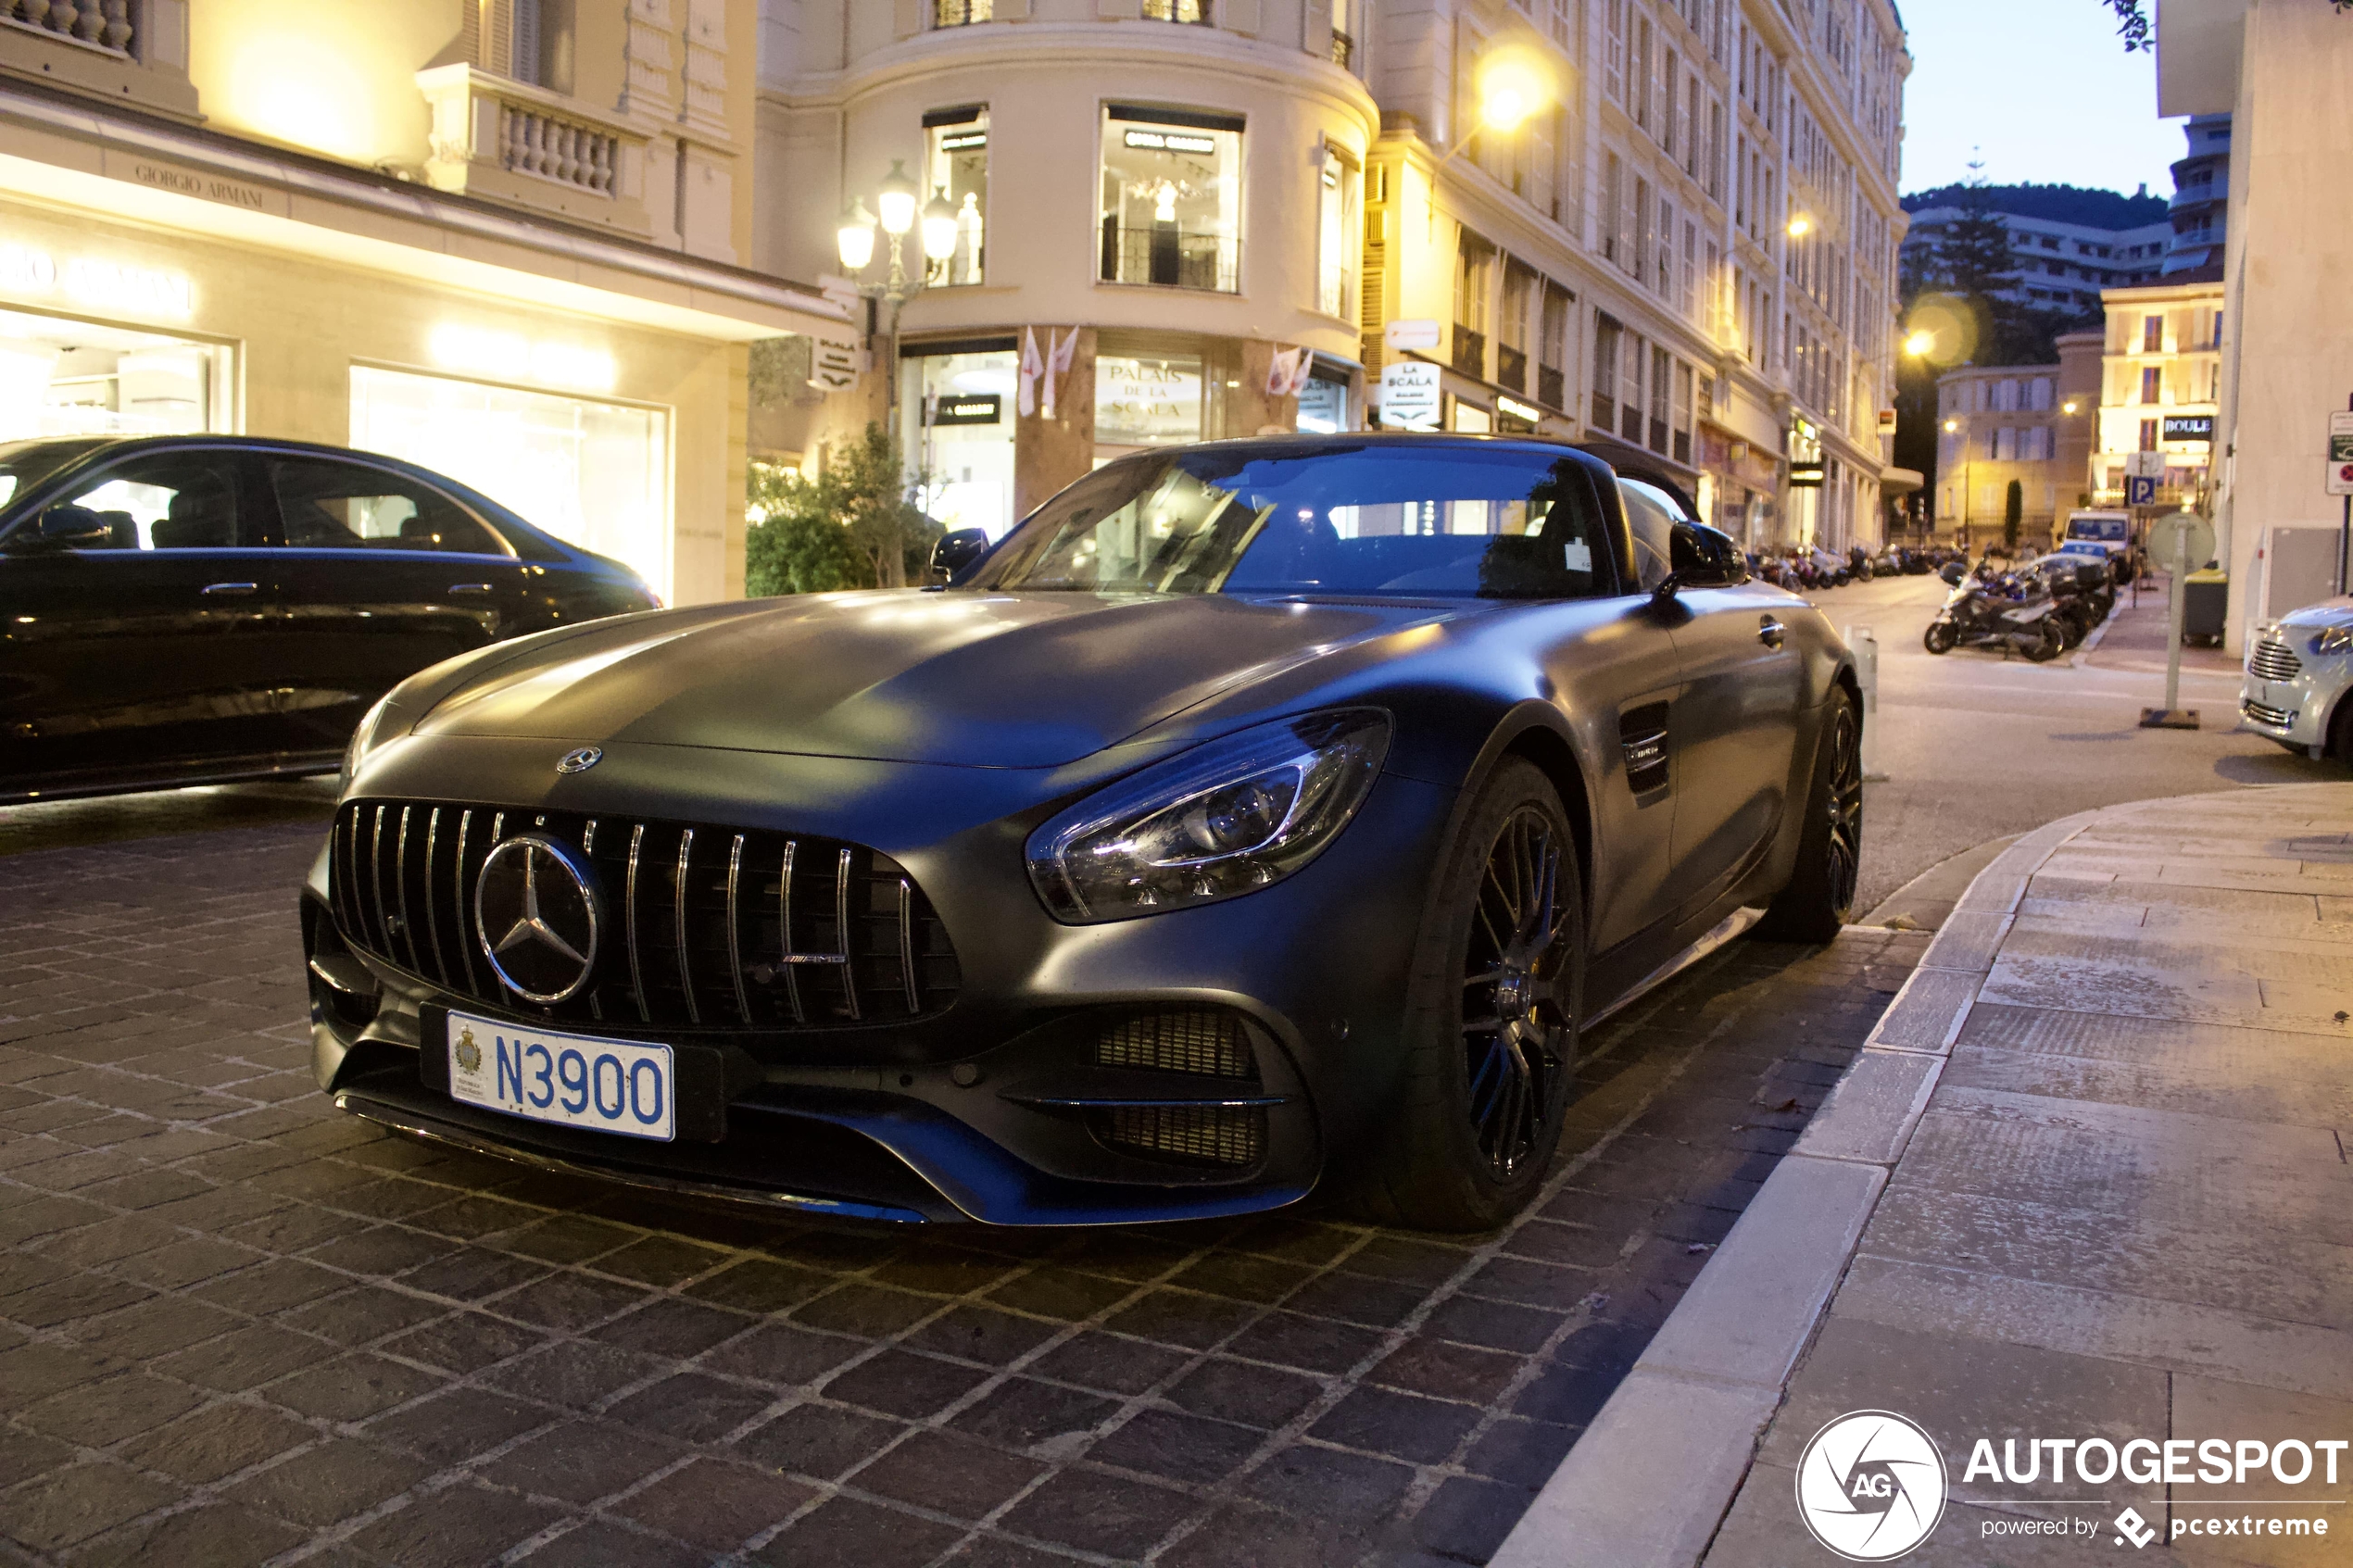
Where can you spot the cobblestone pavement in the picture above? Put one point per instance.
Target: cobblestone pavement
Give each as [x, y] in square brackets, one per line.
[236, 1326]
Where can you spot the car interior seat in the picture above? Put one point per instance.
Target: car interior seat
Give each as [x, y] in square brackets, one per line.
[198, 519]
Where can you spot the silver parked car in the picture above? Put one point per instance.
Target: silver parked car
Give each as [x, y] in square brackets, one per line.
[2298, 671]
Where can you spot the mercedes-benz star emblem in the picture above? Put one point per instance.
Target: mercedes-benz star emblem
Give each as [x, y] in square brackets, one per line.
[580, 762]
[535, 914]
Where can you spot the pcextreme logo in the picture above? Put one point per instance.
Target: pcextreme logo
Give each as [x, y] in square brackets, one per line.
[1870, 1486]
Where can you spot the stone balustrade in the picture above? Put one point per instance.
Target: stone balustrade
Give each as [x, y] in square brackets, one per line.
[491, 136]
[100, 24]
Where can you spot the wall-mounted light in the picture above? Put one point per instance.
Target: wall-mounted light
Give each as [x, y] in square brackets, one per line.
[1800, 226]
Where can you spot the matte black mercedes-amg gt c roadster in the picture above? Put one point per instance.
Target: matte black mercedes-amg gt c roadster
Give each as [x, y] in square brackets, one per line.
[1254, 814]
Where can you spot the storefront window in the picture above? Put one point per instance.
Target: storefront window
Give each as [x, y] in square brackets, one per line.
[1145, 402]
[1323, 406]
[1171, 206]
[60, 376]
[591, 474]
[957, 168]
[960, 408]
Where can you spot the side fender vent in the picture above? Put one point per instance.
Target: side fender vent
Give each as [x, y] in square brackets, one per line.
[1641, 736]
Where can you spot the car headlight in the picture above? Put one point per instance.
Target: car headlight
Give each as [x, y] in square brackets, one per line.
[2335, 639]
[1225, 818]
[363, 741]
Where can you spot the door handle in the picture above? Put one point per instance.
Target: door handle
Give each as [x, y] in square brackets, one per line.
[231, 590]
[1769, 633]
[470, 588]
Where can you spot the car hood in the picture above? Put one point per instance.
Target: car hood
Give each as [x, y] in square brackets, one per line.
[2338, 612]
[1032, 679]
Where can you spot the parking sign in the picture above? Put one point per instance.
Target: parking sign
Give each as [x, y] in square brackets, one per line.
[2340, 472]
[2139, 492]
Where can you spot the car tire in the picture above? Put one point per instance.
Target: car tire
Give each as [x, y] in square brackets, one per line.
[2341, 733]
[1820, 897]
[1478, 1116]
[1939, 637]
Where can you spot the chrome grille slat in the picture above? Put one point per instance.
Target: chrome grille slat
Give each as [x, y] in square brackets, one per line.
[746, 959]
[636, 968]
[841, 935]
[907, 946]
[734, 920]
[465, 905]
[432, 905]
[685, 976]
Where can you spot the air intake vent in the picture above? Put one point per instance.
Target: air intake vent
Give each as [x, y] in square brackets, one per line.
[2273, 661]
[1641, 734]
[1205, 1043]
[1191, 1135]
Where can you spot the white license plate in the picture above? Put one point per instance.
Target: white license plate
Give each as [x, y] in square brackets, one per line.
[572, 1080]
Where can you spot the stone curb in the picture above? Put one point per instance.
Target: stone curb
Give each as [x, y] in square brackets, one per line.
[1651, 1479]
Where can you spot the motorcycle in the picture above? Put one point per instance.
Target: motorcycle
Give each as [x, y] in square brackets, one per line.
[1980, 613]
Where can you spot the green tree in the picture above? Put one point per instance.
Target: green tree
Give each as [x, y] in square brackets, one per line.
[854, 525]
[2133, 22]
[2013, 512]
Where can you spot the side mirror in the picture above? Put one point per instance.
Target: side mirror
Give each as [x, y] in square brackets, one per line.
[957, 550]
[1953, 573]
[64, 528]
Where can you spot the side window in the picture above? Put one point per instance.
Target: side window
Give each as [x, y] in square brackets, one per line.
[1652, 522]
[330, 506]
[169, 501]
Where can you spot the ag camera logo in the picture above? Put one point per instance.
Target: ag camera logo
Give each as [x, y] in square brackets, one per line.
[1870, 1486]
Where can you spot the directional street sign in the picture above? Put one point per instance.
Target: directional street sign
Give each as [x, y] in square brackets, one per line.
[2145, 465]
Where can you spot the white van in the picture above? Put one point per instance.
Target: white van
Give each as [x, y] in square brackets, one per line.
[2107, 534]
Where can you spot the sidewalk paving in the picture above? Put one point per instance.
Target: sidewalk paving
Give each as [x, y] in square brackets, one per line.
[2089, 1180]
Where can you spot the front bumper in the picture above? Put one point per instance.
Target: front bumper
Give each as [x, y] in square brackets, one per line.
[992, 1110]
[2298, 711]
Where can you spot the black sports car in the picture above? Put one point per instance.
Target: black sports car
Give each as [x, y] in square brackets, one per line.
[191, 610]
[1253, 815]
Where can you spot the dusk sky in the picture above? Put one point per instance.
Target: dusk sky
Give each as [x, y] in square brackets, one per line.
[2070, 108]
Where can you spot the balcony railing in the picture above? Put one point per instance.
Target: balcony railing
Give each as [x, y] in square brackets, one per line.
[1511, 367]
[101, 24]
[1470, 351]
[1166, 254]
[1194, 11]
[1343, 50]
[961, 13]
[1604, 413]
[493, 137]
[1551, 387]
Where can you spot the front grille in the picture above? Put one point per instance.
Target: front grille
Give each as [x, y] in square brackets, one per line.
[703, 927]
[2278, 718]
[1204, 1135]
[2273, 661]
[1209, 1044]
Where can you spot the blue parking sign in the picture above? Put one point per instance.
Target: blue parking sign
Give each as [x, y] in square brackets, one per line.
[2140, 492]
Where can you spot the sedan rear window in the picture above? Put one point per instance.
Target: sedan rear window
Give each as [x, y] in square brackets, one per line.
[1410, 520]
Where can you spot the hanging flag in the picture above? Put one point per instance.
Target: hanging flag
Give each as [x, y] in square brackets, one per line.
[1058, 364]
[1303, 372]
[1032, 367]
[1279, 372]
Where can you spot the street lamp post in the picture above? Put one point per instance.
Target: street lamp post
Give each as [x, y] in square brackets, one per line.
[896, 214]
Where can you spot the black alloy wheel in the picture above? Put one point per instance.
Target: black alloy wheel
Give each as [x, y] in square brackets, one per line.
[1939, 637]
[1514, 1025]
[1491, 1025]
[1820, 897]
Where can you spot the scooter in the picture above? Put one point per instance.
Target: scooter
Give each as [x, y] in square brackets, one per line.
[1977, 615]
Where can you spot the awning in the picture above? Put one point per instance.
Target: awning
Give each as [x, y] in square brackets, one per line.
[1895, 481]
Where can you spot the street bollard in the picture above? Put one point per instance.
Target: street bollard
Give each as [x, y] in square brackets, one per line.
[1866, 648]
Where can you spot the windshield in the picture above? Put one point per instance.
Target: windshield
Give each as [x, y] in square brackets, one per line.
[2109, 527]
[1409, 518]
[24, 464]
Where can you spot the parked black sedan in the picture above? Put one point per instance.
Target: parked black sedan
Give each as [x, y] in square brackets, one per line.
[179, 610]
[1254, 814]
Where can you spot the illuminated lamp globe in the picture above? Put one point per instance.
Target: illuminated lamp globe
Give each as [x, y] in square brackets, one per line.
[1513, 87]
[939, 228]
[1800, 226]
[897, 200]
[1918, 344]
[1951, 425]
[855, 239]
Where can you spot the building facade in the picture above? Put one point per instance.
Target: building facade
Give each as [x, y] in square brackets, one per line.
[2028, 425]
[1687, 250]
[2061, 268]
[499, 237]
[2201, 205]
[2278, 70]
[2160, 379]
